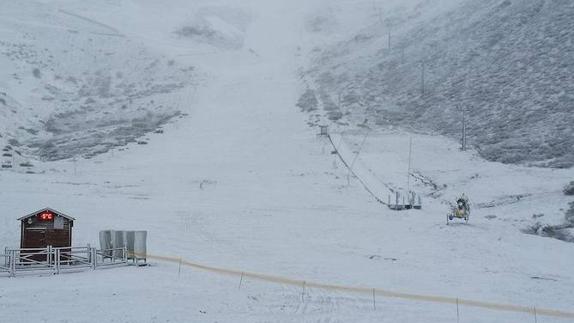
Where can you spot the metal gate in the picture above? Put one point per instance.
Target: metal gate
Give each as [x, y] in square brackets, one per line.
[59, 259]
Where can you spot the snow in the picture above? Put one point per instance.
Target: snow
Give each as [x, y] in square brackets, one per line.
[244, 183]
[194, 297]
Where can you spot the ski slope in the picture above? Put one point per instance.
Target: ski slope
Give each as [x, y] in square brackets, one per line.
[242, 182]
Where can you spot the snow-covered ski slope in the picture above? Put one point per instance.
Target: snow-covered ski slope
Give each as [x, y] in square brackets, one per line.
[244, 183]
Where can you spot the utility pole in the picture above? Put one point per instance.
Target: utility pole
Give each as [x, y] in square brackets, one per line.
[389, 38]
[463, 138]
[403, 54]
[409, 169]
[423, 77]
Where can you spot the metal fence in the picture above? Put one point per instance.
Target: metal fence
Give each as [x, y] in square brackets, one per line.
[59, 259]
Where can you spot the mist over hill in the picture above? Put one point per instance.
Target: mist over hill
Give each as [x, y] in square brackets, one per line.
[509, 64]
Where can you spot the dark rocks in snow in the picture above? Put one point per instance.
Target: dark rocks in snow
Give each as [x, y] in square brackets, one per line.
[36, 72]
[14, 142]
[570, 214]
[88, 138]
[564, 232]
[204, 32]
[569, 189]
[543, 278]
[503, 200]
[195, 31]
[560, 232]
[30, 130]
[308, 101]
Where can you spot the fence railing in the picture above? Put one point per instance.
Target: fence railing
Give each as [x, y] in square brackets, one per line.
[58, 259]
[6, 266]
[112, 256]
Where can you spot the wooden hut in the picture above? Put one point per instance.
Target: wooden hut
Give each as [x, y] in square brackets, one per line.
[46, 227]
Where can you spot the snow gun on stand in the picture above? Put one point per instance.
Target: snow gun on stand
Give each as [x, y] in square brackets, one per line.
[461, 210]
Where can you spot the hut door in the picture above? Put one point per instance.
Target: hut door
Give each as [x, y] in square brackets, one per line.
[35, 238]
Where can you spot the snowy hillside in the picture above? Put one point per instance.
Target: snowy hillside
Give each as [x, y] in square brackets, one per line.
[233, 177]
[70, 86]
[508, 64]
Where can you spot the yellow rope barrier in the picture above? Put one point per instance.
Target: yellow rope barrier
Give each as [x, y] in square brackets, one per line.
[368, 290]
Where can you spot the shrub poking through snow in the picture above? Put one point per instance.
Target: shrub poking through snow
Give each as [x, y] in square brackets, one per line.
[569, 189]
[308, 101]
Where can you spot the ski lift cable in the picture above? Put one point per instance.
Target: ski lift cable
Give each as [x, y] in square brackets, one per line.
[359, 151]
[365, 186]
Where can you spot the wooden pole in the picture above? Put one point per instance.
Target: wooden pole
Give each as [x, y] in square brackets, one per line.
[303, 293]
[240, 281]
[457, 312]
[374, 301]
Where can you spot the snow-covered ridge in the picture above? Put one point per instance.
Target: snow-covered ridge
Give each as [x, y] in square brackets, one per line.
[508, 64]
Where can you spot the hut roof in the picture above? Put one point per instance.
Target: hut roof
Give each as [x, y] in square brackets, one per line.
[44, 210]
